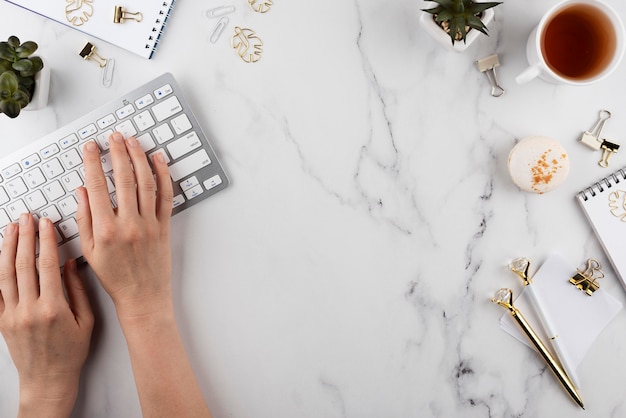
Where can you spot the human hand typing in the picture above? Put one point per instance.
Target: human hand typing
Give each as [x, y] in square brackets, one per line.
[48, 336]
[127, 247]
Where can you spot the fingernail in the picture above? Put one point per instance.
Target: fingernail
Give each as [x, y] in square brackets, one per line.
[132, 141]
[44, 223]
[10, 228]
[91, 146]
[117, 137]
[24, 218]
[159, 157]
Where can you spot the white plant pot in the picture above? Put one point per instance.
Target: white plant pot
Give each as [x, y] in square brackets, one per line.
[429, 24]
[42, 89]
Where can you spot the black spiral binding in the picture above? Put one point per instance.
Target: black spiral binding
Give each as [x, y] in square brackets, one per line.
[159, 27]
[603, 184]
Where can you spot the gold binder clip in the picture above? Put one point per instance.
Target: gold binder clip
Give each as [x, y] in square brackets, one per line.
[587, 280]
[608, 149]
[121, 15]
[89, 53]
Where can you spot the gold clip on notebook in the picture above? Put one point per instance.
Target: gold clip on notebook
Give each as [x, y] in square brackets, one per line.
[101, 18]
[604, 204]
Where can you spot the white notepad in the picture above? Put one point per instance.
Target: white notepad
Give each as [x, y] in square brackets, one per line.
[604, 204]
[577, 317]
[95, 18]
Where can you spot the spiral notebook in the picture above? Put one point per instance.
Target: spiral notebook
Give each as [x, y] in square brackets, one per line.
[96, 18]
[604, 204]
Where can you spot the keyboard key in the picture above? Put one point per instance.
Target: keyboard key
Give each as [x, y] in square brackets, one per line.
[183, 145]
[163, 133]
[16, 187]
[4, 197]
[16, 208]
[34, 178]
[69, 249]
[163, 153]
[69, 228]
[53, 190]
[181, 124]
[4, 218]
[163, 91]
[71, 159]
[214, 181]
[52, 168]
[107, 164]
[30, 161]
[167, 108]
[189, 165]
[144, 121]
[125, 111]
[144, 101]
[67, 205]
[110, 185]
[87, 131]
[71, 181]
[35, 200]
[52, 213]
[103, 139]
[146, 142]
[49, 151]
[106, 121]
[193, 192]
[189, 183]
[11, 170]
[68, 141]
[126, 128]
[178, 200]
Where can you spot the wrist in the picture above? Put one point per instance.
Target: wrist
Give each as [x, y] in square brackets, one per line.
[44, 399]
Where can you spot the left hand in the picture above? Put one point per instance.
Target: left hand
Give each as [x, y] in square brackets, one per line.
[48, 335]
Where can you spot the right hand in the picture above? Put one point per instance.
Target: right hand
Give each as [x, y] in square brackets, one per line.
[128, 247]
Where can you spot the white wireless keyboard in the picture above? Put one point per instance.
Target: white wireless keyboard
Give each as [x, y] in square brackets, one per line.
[41, 177]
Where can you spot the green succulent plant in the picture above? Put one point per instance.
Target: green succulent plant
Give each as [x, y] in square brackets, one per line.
[456, 17]
[17, 75]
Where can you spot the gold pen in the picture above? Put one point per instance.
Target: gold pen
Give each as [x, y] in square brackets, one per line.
[504, 298]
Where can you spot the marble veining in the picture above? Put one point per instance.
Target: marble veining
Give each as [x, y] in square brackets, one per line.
[348, 269]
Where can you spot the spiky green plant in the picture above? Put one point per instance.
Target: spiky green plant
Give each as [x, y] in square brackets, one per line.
[456, 17]
[17, 75]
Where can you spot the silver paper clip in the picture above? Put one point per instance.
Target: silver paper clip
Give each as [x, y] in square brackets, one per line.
[488, 66]
[120, 15]
[220, 11]
[591, 138]
[107, 73]
[219, 29]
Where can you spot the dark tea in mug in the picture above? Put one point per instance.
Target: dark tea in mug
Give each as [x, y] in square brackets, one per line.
[579, 42]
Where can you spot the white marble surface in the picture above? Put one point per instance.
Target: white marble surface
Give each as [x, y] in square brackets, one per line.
[346, 272]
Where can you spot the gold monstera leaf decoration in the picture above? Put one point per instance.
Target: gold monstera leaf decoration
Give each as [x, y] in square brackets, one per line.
[78, 12]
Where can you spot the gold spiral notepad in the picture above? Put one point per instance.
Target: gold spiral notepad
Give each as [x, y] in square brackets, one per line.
[604, 204]
[96, 18]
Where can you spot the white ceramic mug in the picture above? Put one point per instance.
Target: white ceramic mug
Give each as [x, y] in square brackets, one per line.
[608, 24]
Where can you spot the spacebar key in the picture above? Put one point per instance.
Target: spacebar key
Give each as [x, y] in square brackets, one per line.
[190, 164]
[70, 249]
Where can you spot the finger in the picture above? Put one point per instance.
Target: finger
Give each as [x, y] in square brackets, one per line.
[84, 221]
[49, 273]
[99, 199]
[165, 194]
[125, 183]
[77, 293]
[25, 268]
[146, 186]
[8, 283]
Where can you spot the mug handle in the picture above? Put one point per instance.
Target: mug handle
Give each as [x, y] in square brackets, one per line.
[528, 74]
